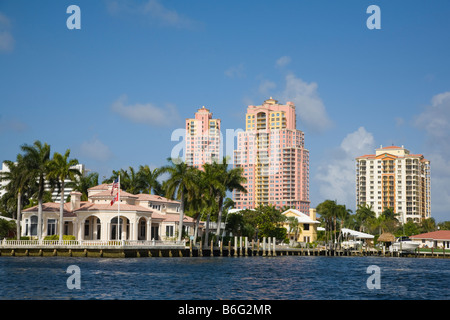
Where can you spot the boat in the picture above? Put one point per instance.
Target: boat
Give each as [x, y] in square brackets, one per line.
[404, 244]
[351, 244]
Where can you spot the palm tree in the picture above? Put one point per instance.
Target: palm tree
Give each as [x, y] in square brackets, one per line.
[342, 213]
[62, 168]
[129, 180]
[83, 183]
[230, 180]
[364, 214]
[327, 211]
[211, 189]
[37, 161]
[148, 179]
[180, 182]
[294, 227]
[19, 183]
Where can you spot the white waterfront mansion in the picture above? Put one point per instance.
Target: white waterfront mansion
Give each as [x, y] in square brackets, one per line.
[142, 217]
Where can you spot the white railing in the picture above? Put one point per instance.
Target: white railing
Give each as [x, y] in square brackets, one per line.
[87, 243]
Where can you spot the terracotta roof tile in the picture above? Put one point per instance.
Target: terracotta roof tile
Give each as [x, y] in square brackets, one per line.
[53, 207]
[107, 194]
[154, 197]
[436, 235]
[104, 186]
[88, 206]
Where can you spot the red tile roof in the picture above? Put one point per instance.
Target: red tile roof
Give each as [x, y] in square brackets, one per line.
[53, 207]
[104, 186]
[435, 235]
[107, 194]
[154, 197]
[88, 206]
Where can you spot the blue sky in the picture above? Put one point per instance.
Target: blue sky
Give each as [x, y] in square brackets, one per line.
[115, 90]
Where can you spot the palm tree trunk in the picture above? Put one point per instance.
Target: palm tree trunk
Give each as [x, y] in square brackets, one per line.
[180, 225]
[207, 230]
[39, 224]
[219, 218]
[19, 202]
[197, 222]
[61, 213]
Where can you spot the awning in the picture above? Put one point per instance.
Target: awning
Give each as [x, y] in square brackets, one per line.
[356, 234]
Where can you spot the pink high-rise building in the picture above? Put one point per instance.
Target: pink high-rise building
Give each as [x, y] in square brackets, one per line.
[202, 139]
[272, 153]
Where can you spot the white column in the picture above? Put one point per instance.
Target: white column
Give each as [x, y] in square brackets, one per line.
[149, 229]
[124, 229]
[94, 229]
[108, 231]
[135, 229]
[81, 230]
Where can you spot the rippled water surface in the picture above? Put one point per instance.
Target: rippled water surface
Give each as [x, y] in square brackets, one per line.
[285, 278]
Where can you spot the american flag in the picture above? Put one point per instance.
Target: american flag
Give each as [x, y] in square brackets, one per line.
[115, 185]
[115, 198]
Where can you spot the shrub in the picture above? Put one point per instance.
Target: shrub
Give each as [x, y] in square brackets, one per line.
[56, 237]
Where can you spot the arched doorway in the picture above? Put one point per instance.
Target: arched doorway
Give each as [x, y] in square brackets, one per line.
[92, 228]
[122, 232]
[142, 231]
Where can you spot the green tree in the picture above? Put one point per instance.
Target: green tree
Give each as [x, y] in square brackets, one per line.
[181, 180]
[83, 183]
[148, 180]
[19, 182]
[294, 227]
[327, 211]
[445, 225]
[427, 225]
[267, 220]
[365, 216]
[6, 227]
[342, 214]
[211, 190]
[411, 228]
[229, 180]
[37, 161]
[62, 168]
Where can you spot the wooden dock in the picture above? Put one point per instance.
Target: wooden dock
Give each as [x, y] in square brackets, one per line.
[241, 248]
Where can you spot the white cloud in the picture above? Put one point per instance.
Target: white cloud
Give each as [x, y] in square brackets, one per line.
[435, 119]
[235, 71]
[283, 61]
[154, 10]
[6, 38]
[96, 150]
[309, 106]
[435, 122]
[336, 174]
[146, 113]
[440, 190]
[266, 87]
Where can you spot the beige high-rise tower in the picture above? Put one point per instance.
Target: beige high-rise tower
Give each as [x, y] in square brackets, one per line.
[394, 178]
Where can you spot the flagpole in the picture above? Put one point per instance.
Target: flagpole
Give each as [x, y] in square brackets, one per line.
[118, 211]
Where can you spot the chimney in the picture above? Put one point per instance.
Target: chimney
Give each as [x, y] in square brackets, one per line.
[312, 213]
[75, 199]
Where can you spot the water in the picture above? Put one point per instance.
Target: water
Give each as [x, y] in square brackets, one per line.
[245, 278]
